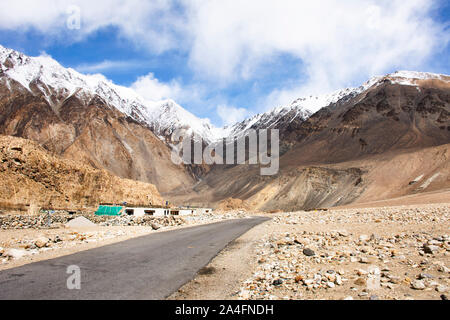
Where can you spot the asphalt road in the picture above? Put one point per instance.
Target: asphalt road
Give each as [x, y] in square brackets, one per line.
[149, 267]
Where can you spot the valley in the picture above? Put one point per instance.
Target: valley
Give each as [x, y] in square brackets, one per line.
[362, 190]
[367, 143]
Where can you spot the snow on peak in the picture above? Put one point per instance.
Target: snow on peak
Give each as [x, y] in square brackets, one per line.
[167, 116]
[163, 116]
[299, 109]
[305, 106]
[407, 78]
[415, 75]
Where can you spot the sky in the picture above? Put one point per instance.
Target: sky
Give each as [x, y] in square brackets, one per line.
[227, 60]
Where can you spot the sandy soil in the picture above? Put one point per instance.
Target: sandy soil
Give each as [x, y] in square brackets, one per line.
[440, 196]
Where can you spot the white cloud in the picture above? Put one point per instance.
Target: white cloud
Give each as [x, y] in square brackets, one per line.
[107, 65]
[195, 95]
[339, 43]
[231, 115]
[152, 89]
[150, 24]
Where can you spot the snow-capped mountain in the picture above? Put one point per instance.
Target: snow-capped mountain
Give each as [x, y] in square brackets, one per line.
[89, 119]
[271, 120]
[410, 78]
[45, 73]
[164, 117]
[85, 118]
[300, 109]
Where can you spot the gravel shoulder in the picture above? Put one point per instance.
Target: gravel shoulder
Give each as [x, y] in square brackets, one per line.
[222, 278]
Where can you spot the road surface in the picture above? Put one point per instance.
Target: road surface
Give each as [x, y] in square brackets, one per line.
[149, 267]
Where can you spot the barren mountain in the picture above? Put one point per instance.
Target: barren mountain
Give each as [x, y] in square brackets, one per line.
[398, 112]
[85, 118]
[32, 175]
[388, 139]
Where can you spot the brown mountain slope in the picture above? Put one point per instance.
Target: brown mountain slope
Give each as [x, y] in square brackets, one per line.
[368, 147]
[389, 175]
[387, 117]
[88, 130]
[31, 175]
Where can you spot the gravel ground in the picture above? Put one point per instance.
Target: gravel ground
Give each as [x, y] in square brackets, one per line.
[383, 253]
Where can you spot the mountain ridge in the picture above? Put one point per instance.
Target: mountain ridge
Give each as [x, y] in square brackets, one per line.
[166, 116]
[88, 118]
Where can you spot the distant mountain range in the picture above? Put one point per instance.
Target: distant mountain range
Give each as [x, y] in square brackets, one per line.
[89, 119]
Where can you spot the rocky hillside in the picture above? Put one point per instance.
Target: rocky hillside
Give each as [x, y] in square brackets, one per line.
[32, 175]
[84, 118]
[394, 114]
[388, 139]
[343, 153]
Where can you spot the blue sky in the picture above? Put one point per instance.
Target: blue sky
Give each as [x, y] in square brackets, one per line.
[230, 56]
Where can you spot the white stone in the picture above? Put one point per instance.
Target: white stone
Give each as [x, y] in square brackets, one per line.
[364, 237]
[418, 285]
[15, 253]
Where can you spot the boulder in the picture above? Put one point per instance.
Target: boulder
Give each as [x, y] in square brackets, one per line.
[155, 226]
[41, 242]
[418, 285]
[14, 253]
[431, 249]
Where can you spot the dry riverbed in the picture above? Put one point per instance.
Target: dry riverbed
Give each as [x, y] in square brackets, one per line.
[381, 253]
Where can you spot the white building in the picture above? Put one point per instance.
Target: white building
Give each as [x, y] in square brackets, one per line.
[182, 212]
[161, 212]
[141, 212]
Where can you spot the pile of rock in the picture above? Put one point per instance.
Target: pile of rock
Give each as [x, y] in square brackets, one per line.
[216, 217]
[42, 221]
[27, 221]
[59, 218]
[433, 213]
[154, 222]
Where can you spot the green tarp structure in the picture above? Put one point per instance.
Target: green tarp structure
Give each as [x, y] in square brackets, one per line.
[109, 211]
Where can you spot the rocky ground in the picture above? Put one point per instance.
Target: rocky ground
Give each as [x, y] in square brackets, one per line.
[31, 174]
[397, 253]
[385, 253]
[28, 238]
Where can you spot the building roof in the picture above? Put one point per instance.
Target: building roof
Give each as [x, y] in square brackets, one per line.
[109, 210]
